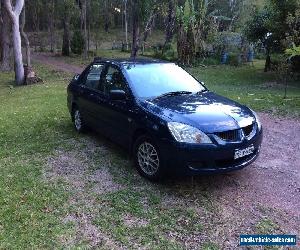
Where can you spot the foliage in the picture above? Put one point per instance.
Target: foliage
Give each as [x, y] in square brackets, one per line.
[277, 23]
[234, 59]
[77, 43]
[294, 51]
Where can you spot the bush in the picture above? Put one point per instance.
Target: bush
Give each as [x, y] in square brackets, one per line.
[234, 59]
[77, 43]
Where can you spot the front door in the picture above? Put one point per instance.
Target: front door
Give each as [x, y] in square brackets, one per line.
[119, 112]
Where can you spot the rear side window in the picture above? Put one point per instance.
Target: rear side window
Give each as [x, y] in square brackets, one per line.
[92, 78]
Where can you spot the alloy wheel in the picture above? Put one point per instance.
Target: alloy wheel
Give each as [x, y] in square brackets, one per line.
[148, 158]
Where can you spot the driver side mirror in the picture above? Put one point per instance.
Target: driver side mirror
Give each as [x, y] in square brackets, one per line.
[76, 77]
[117, 95]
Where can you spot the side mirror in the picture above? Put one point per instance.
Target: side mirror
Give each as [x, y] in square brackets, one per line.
[76, 77]
[203, 83]
[117, 95]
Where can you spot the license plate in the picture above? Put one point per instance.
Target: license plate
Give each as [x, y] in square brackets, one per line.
[239, 153]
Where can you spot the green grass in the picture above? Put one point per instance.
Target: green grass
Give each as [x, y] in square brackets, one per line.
[35, 123]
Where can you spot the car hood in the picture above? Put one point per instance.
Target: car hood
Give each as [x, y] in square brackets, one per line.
[207, 111]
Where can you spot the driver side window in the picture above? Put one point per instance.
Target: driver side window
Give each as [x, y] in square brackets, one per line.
[114, 80]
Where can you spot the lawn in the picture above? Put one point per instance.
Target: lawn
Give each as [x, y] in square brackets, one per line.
[59, 189]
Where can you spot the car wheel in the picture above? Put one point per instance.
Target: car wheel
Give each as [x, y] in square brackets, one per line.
[79, 124]
[147, 159]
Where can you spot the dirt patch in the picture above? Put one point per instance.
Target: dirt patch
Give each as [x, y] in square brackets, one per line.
[85, 174]
[56, 63]
[132, 221]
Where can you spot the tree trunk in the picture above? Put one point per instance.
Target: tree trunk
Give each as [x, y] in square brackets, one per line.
[14, 14]
[268, 61]
[149, 26]
[5, 39]
[26, 41]
[126, 24]
[19, 68]
[89, 25]
[84, 10]
[135, 29]
[170, 24]
[66, 36]
[52, 47]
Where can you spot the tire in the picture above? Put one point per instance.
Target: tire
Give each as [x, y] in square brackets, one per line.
[78, 122]
[147, 159]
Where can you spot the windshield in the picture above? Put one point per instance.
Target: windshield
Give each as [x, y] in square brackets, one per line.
[152, 80]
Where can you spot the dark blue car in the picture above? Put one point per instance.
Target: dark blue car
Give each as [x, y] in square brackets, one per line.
[168, 120]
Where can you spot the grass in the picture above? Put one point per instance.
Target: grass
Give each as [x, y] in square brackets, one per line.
[29, 131]
[35, 132]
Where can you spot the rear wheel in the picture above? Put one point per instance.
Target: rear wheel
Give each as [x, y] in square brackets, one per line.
[147, 158]
[79, 124]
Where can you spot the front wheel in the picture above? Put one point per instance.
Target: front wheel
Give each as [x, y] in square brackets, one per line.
[147, 159]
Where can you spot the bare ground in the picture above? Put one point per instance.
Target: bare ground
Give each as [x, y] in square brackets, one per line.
[264, 197]
[56, 62]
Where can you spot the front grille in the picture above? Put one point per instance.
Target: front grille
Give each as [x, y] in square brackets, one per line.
[232, 135]
[248, 130]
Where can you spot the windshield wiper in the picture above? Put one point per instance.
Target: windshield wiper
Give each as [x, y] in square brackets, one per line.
[201, 91]
[174, 93]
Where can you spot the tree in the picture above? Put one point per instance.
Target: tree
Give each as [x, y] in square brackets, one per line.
[170, 24]
[142, 16]
[135, 28]
[66, 9]
[126, 23]
[51, 23]
[84, 11]
[4, 39]
[191, 17]
[273, 26]
[25, 38]
[14, 13]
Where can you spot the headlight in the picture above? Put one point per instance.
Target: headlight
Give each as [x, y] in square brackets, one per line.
[188, 134]
[257, 120]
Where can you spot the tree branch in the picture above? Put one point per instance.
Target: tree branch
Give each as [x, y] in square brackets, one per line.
[8, 7]
[18, 7]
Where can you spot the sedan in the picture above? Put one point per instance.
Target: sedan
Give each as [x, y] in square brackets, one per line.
[168, 120]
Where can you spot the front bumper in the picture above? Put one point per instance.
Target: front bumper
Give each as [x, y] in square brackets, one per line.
[192, 159]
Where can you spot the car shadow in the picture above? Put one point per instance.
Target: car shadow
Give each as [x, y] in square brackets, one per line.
[174, 185]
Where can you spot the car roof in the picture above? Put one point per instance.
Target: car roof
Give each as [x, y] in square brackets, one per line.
[126, 61]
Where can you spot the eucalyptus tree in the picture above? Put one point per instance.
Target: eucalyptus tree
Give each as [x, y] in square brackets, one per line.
[4, 38]
[143, 14]
[170, 23]
[14, 14]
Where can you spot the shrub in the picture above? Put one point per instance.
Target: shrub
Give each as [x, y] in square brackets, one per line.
[77, 43]
[234, 59]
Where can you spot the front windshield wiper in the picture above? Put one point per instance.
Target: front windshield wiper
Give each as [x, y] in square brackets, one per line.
[201, 91]
[174, 93]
